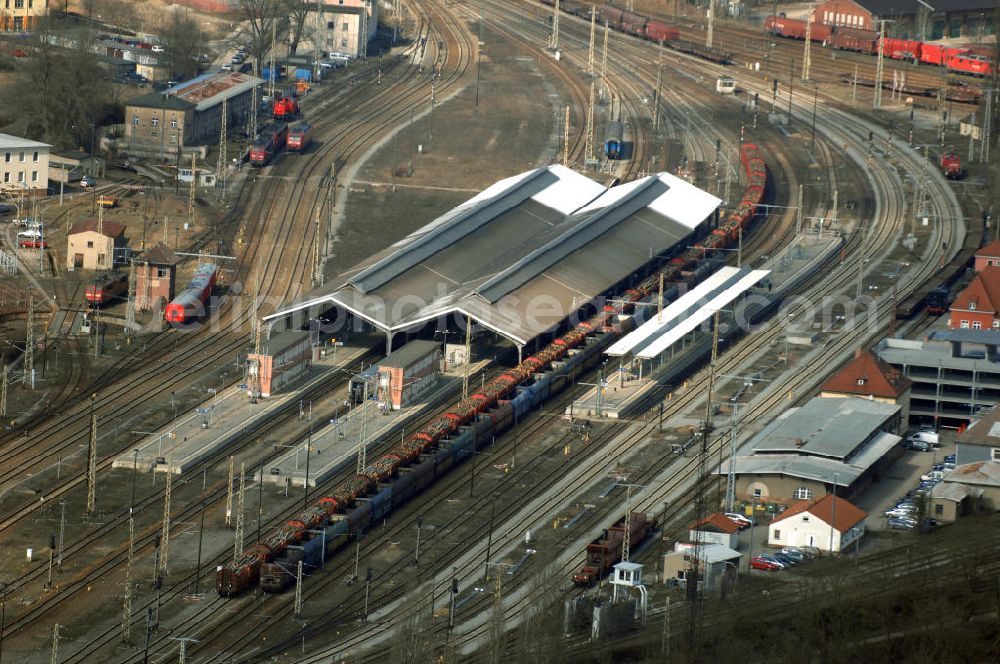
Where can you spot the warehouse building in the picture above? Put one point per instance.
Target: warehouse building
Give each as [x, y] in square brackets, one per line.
[159, 124]
[916, 19]
[518, 259]
[826, 446]
[283, 358]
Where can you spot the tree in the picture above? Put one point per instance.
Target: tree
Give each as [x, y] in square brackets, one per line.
[263, 17]
[182, 38]
[298, 11]
[52, 104]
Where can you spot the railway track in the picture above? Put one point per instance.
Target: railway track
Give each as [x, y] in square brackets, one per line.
[885, 211]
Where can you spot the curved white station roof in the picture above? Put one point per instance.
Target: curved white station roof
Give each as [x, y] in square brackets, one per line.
[520, 256]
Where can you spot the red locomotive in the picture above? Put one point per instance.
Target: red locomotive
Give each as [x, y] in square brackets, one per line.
[285, 108]
[299, 137]
[269, 142]
[606, 551]
[383, 485]
[108, 288]
[951, 164]
[189, 305]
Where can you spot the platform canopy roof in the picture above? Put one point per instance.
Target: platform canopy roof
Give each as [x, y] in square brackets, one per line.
[520, 256]
[686, 312]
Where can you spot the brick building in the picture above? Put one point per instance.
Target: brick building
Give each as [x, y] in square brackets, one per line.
[24, 166]
[978, 306]
[843, 13]
[89, 249]
[189, 114]
[155, 274]
[21, 15]
[987, 256]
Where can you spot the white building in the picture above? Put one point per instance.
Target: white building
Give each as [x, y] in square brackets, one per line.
[829, 524]
[24, 166]
[336, 26]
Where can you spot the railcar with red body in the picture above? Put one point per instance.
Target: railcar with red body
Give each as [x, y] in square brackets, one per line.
[108, 288]
[285, 108]
[657, 31]
[606, 551]
[853, 39]
[970, 63]
[299, 137]
[189, 305]
[269, 142]
[796, 29]
[951, 164]
[901, 49]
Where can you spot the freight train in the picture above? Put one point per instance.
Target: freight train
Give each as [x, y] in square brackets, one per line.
[189, 305]
[961, 59]
[417, 461]
[268, 143]
[606, 551]
[106, 289]
[643, 27]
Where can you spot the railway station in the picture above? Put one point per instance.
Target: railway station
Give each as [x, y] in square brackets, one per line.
[669, 344]
[518, 258]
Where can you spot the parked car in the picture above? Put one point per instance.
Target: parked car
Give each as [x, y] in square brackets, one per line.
[743, 521]
[928, 436]
[158, 48]
[902, 524]
[792, 554]
[949, 458]
[917, 445]
[932, 476]
[784, 559]
[760, 562]
[87, 181]
[900, 512]
[804, 551]
[226, 67]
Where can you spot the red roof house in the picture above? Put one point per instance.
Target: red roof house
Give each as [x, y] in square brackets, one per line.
[977, 306]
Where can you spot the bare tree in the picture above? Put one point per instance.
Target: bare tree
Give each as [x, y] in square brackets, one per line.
[298, 11]
[262, 17]
[183, 39]
[52, 104]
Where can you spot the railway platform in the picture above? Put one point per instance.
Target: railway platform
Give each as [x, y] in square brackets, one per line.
[223, 418]
[336, 445]
[631, 386]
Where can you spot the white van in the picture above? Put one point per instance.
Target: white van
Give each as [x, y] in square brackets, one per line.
[930, 437]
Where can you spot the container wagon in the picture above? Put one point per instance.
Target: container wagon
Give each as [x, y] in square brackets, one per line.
[108, 288]
[299, 137]
[189, 305]
[613, 141]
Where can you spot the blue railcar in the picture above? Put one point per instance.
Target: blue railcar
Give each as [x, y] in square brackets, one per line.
[522, 402]
[381, 503]
[613, 140]
[411, 480]
[360, 517]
